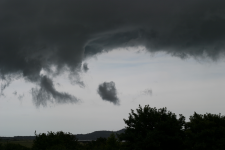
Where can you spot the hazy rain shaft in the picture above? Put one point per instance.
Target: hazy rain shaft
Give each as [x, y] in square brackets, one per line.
[36, 35]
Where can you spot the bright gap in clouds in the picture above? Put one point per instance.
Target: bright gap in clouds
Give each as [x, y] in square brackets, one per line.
[183, 86]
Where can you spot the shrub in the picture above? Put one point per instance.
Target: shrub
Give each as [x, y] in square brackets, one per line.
[53, 140]
[12, 146]
[112, 142]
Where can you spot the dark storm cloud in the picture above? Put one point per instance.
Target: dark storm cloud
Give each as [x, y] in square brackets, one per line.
[37, 35]
[108, 92]
[47, 92]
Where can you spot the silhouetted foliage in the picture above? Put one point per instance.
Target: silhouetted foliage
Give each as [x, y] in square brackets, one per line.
[150, 128]
[12, 146]
[147, 129]
[112, 143]
[58, 140]
[205, 132]
[1, 146]
[99, 144]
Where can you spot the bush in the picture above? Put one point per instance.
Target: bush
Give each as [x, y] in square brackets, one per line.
[112, 142]
[11, 146]
[99, 144]
[58, 140]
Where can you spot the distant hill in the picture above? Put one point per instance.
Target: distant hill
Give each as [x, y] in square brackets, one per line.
[89, 136]
[97, 134]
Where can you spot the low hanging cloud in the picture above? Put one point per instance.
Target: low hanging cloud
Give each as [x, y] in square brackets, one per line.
[47, 92]
[85, 67]
[6, 80]
[15, 93]
[20, 97]
[147, 92]
[108, 92]
[39, 35]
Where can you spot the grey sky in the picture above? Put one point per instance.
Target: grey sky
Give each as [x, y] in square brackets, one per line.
[183, 86]
[44, 43]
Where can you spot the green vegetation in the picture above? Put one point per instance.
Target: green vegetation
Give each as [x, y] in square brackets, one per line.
[150, 128]
[26, 143]
[54, 141]
[111, 143]
[12, 146]
[160, 129]
[147, 128]
[205, 132]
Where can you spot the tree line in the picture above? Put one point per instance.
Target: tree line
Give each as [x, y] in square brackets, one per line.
[146, 129]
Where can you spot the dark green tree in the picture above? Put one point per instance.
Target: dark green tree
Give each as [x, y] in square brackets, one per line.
[112, 142]
[99, 144]
[205, 132]
[151, 128]
[58, 140]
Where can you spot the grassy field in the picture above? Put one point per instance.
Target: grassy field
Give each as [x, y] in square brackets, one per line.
[27, 143]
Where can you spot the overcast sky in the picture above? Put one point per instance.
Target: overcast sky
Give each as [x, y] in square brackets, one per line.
[81, 66]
